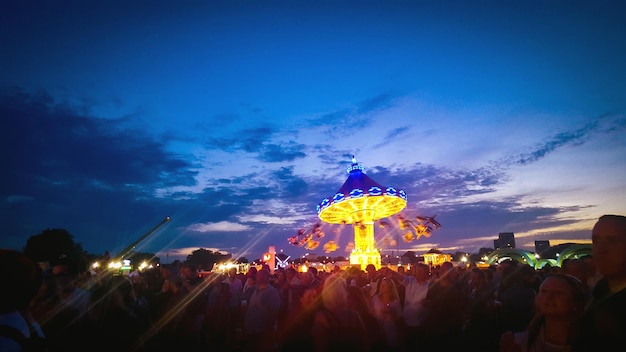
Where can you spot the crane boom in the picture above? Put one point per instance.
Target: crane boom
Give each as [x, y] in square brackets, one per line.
[132, 246]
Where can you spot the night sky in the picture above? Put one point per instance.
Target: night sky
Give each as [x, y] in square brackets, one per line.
[236, 118]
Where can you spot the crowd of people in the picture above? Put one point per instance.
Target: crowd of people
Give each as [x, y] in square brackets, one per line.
[579, 306]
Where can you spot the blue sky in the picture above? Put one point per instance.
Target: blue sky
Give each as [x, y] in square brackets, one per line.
[236, 118]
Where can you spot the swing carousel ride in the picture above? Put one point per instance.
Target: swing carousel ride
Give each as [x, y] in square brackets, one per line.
[361, 202]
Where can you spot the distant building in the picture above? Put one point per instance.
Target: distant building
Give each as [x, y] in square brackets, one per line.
[434, 257]
[541, 246]
[505, 240]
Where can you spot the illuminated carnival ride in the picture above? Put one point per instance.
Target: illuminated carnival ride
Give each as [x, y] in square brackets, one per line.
[361, 202]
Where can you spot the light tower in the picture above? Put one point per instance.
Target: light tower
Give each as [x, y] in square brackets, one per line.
[360, 201]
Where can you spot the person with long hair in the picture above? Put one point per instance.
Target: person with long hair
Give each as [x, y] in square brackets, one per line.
[387, 309]
[560, 304]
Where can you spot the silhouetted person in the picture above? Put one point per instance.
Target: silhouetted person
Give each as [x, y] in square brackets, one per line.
[113, 321]
[604, 322]
[69, 293]
[373, 279]
[261, 316]
[359, 300]
[416, 284]
[219, 333]
[445, 305]
[516, 298]
[480, 329]
[233, 316]
[296, 335]
[21, 279]
[336, 326]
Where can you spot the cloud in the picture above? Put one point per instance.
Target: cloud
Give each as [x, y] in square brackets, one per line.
[559, 140]
[392, 135]
[258, 141]
[289, 151]
[221, 226]
[62, 146]
[374, 103]
[250, 140]
[342, 120]
[430, 183]
[605, 124]
[79, 169]
[289, 185]
[268, 219]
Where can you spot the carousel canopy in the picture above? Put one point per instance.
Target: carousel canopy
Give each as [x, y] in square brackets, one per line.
[360, 200]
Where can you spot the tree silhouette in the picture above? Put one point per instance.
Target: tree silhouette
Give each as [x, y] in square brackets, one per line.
[56, 246]
[205, 259]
